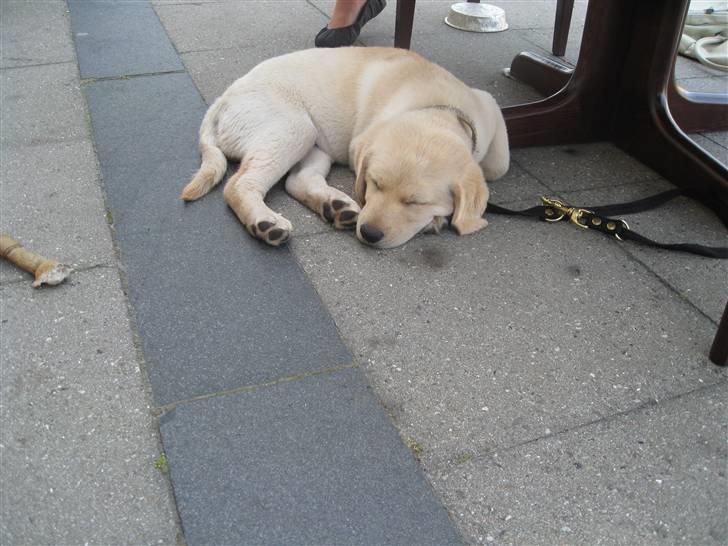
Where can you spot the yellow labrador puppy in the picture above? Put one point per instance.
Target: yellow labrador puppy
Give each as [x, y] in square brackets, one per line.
[421, 142]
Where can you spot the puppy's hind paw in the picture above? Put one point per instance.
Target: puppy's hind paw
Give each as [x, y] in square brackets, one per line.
[275, 232]
[342, 213]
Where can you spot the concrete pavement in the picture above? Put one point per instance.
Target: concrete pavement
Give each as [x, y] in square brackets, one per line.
[529, 384]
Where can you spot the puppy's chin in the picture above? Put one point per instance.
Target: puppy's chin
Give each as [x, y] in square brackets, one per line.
[435, 226]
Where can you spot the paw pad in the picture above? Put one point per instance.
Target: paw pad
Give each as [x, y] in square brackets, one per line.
[342, 214]
[274, 234]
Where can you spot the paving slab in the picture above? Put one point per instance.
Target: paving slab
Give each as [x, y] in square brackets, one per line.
[214, 70]
[430, 16]
[719, 137]
[119, 39]
[78, 437]
[656, 475]
[715, 149]
[146, 134]
[701, 281]
[41, 105]
[197, 280]
[52, 203]
[313, 461]
[503, 336]
[715, 84]
[29, 33]
[582, 166]
[205, 26]
[462, 53]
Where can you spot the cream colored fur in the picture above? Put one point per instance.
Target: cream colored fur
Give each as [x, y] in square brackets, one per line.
[366, 107]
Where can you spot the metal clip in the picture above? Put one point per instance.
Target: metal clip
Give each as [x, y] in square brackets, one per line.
[559, 210]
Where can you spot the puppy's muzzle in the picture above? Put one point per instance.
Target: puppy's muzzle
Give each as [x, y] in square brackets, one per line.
[370, 234]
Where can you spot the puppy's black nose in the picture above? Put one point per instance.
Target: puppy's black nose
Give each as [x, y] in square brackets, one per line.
[370, 234]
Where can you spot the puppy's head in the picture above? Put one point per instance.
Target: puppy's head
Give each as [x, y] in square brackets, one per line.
[408, 176]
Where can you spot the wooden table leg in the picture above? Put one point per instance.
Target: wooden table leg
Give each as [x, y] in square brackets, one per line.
[719, 350]
[618, 92]
[403, 23]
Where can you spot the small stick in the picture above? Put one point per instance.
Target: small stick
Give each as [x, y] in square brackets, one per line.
[46, 270]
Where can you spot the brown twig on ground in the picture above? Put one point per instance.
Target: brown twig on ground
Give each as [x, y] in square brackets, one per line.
[46, 270]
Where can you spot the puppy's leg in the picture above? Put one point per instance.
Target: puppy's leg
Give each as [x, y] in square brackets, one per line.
[276, 145]
[244, 193]
[307, 183]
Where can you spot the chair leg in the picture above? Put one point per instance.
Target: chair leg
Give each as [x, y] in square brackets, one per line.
[403, 23]
[564, 9]
[719, 350]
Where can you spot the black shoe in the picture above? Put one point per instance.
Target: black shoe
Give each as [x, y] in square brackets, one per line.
[346, 36]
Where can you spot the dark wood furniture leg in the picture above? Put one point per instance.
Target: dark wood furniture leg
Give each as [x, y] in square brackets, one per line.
[618, 92]
[564, 9]
[719, 350]
[403, 22]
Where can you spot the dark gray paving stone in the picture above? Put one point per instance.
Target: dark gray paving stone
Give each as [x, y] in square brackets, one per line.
[78, 437]
[34, 32]
[41, 105]
[120, 39]
[146, 134]
[205, 26]
[216, 309]
[313, 461]
[702, 281]
[52, 203]
[652, 476]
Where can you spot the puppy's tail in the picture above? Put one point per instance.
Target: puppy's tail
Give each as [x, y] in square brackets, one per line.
[214, 163]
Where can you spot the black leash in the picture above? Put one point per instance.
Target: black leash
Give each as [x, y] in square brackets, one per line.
[599, 218]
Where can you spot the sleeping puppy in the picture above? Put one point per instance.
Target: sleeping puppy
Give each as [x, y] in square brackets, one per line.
[421, 142]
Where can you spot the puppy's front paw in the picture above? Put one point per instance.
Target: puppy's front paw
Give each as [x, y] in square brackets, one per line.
[274, 231]
[343, 213]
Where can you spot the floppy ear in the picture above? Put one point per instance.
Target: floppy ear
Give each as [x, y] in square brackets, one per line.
[470, 197]
[360, 160]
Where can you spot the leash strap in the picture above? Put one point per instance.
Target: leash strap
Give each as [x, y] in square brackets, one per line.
[599, 219]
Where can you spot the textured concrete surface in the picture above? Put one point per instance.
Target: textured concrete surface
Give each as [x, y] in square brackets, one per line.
[552, 384]
[313, 461]
[120, 38]
[653, 476]
[78, 437]
[34, 32]
[78, 440]
[41, 105]
[196, 285]
[525, 331]
[224, 320]
[45, 204]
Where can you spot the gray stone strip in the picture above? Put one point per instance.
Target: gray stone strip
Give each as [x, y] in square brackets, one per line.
[314, 461]
[239, 348]
[120, 38]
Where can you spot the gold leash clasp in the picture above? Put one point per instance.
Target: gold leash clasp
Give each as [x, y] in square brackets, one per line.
[557, 210]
